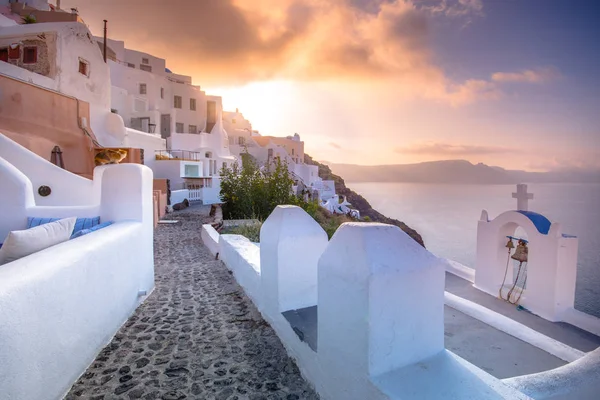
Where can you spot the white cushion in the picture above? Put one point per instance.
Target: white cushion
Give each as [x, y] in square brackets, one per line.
[19, 244]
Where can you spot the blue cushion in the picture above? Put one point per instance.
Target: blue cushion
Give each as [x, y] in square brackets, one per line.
[81, 223]
[92, 229]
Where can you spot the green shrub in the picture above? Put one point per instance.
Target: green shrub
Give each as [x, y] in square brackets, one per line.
[247, 191]
[251, 231]
[251, 193]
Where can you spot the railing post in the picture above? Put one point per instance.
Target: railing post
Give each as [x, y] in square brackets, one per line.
[381, 302]
[291, 242]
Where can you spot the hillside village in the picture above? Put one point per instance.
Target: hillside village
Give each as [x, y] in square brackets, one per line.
[125, 99]
[116, 282]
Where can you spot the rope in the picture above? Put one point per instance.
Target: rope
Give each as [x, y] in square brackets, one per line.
[522, 289]
[504, 280]
[508, 296]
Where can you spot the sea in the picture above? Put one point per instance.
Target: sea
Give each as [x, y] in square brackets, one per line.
[446, 216]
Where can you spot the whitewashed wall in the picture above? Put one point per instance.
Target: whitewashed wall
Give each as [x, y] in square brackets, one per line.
[551, 269]
[60, 306]
[308, 173]
[169, 169]
[367, 349]
[74, 41]
[67, 188]
[147, 141]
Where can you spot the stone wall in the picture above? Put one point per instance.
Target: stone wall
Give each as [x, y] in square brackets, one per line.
[45, 43]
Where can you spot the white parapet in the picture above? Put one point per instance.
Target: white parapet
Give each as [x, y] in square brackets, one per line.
[381, 302]
[291, 244]
[377, 313]
[210, 238]
[60, 306]
[578, 380]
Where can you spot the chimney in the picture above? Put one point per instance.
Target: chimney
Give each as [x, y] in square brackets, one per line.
[104, 49]
[58, 4]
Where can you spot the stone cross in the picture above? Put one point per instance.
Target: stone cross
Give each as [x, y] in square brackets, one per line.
[522, 197]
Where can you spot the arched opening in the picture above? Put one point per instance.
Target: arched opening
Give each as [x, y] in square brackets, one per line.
[513, 256]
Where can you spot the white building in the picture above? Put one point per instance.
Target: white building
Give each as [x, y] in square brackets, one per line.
[134, 101]
[266, 149]
[152, 99]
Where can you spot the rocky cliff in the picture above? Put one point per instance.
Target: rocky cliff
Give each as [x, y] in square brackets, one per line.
[359, 202]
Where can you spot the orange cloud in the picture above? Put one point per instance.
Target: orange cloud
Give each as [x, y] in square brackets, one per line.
[232, 42]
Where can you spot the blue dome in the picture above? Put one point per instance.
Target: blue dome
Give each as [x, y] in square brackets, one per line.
[168, 70]
[541, 223]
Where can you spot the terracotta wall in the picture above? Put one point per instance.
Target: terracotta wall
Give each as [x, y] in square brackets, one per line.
[160, 184]
[40, 119]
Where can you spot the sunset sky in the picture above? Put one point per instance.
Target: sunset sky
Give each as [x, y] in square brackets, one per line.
[513, 83]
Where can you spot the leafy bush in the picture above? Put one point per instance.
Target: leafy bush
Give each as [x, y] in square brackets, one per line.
[249, 192]
[251, 231]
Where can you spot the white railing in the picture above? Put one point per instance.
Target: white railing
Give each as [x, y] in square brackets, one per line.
[195, 195]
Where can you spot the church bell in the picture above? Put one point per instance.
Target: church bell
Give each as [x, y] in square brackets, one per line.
[521, 252]
[510, 244]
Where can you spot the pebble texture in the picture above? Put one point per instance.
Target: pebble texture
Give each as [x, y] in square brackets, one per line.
[197, 336]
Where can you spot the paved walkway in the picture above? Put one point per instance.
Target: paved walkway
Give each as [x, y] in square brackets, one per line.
[196, 337]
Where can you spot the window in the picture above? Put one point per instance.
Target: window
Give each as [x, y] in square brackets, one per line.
[179, 127]
[162, 93]
[145, 61]
[84, 67]
[193, 104]
[292, 151]
[241, 140]
[191, 170]
[4, 54]
[146, 68]
[178, 101]
[130, 65]
[14, 52]
[143, 88]
[270, 153]
[233, 120]
[193, 129]
[29, 55]
[224, 165]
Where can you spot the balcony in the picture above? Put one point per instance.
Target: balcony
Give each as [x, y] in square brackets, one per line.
[183, 155]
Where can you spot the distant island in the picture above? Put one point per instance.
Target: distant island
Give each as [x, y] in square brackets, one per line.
[456, 171]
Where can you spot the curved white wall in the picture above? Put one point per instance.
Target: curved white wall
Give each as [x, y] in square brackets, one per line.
[67, 188]
[61, 305]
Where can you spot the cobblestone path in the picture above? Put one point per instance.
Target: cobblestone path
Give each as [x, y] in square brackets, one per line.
[197, 336]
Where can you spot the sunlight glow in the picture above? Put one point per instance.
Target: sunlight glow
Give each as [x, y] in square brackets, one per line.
[265, 104]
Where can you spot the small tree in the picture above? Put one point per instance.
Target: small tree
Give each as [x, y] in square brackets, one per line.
[249, 192]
